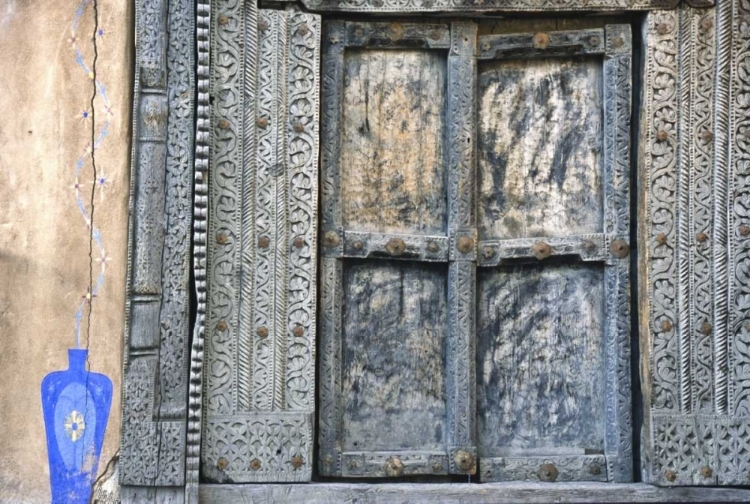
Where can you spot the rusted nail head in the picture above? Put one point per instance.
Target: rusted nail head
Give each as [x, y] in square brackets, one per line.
[666, 325]
[394, 466]
[486, 46]
[262, 331]
[707, 24]
[264, 242]
[541, 250]
[661, 239]
[701, 237]
[262, 122]
[744, 230]
[670, 475]
[223, 20]
[465, 244]
[662, 135]
[433, 247]
[662, 28]
[706, 328]
[352, 464]
[595, 469]
[435, 35]
[548, 472]
[222, 463]
[619, 248]
[395, 246]
[618, 42]
[358, 245]
[299, 127]
[589, 245]
[299, 242]
[223, 124]
[221, 325]
[541, 40]
[396, 31]
[221, 238]
[465, 461]
[255, 464]
[263, 25]
[331, 239]
[303, 29]
[298, 331]
[488, 252]
[297, 462]
[437, 467]
[707, 136]
[706, 472]
[595, 40]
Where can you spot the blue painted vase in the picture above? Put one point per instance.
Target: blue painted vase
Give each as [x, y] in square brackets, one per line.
[76, 409]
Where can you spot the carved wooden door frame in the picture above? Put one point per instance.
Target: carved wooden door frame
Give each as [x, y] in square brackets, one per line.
[161, 431]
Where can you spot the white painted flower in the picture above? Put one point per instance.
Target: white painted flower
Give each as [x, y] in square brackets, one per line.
[74, 426]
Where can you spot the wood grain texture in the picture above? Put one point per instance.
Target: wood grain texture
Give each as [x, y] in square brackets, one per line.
[392, 167]
[540, 360]
[539, 161]
[395, 324]
[499, 493]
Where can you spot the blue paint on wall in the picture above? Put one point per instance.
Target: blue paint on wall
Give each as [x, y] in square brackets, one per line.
[76, 405]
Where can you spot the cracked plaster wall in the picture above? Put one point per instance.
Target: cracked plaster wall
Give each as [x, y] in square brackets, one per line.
[49, 255]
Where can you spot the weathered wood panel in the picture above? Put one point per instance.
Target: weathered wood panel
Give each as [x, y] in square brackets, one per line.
[395, 328]
[539, 165]
[392, 166]
[498, 493]
[540, 360]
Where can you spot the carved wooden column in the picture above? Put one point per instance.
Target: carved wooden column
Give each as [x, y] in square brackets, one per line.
[152, 450]
[259, 374]
[695, 313]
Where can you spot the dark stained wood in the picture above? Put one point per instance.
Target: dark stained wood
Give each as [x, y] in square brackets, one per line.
[392, 165]
[395, 326]
[539, 163]
[540, 360]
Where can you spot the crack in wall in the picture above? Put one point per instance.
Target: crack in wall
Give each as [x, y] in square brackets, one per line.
[90, 292]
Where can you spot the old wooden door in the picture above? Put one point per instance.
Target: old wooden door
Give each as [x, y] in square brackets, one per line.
[443, 152]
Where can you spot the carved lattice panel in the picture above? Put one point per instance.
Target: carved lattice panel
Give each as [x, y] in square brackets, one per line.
[259, 377]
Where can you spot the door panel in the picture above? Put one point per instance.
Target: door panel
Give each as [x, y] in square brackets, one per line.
[540, 359]
[395, 327]
[397, 334]
[540, 147]
[407, 113]
[392, 165]
[552, 314]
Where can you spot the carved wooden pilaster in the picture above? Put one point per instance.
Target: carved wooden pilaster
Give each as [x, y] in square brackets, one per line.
[694, 316]
[259, 394]
[157, 316]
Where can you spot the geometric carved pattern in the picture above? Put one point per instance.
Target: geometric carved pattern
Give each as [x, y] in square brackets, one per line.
[262, 447]
[258, 378]
[157, 318]
[697, 191]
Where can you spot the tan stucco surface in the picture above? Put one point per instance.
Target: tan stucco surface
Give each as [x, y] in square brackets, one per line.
[47, 257]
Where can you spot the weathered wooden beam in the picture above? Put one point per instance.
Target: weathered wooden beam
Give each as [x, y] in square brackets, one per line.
[466, 493]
